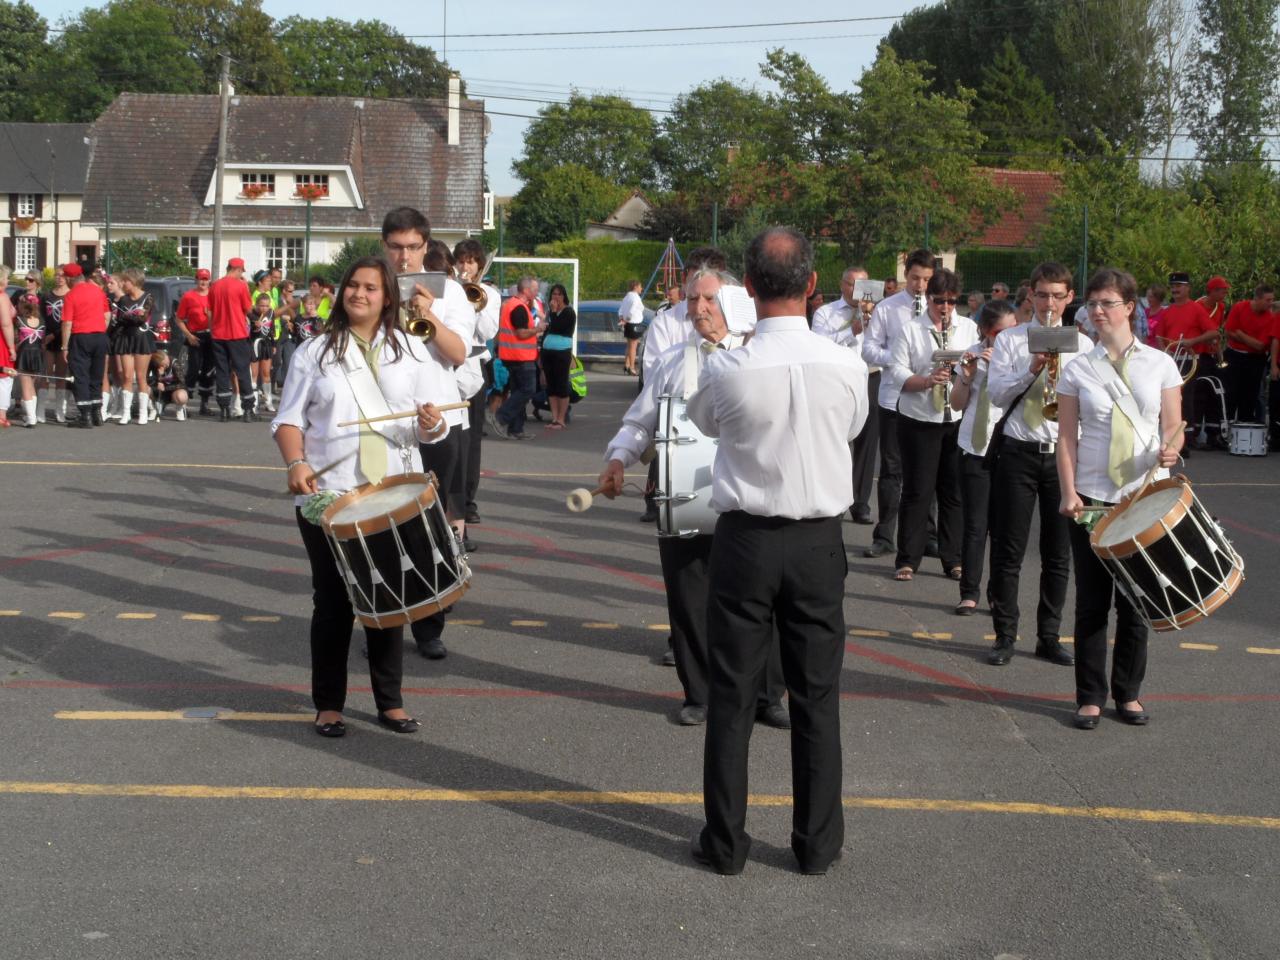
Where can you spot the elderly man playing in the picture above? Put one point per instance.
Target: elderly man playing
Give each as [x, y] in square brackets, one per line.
[685, 560]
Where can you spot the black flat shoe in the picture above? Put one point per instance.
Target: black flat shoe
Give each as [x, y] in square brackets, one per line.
[1001, 653]
[775, 715]
[878, 549]
[407, 725]
[334, 729]
[965, 611]
[1137, 718]
[1054, 653]
[1082, 722]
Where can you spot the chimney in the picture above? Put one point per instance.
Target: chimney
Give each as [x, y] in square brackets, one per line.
[455, 109]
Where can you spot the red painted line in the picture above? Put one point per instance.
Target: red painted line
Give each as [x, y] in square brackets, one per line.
[908, 666]
[546, 547]
[1252, 531]
[164, 533]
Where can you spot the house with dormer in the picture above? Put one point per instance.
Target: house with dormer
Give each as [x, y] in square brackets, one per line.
[42, 175]
[302, 175]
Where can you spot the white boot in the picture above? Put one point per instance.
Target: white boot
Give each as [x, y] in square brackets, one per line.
[236, 409]
[157, 411]
[60, 408]
[29, 413]
[42, 398]
[126, 406]
[111, 409]
[144, 406]
[182, 413]
[106, 403]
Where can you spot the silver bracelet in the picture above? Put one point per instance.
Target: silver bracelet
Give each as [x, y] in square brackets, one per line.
[293, 463]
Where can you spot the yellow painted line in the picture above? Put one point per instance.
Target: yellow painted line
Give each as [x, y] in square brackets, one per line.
[921, 635]
[528, 623]
[859, 632]
[1270, 650]
[147, 466]
[988, 636]
[10, 613]
[659, 627]
[66, 615]
[593, 625]
[202, 617]
[1201, 646]
[466, 623]
[618, 798]
[1067, 640]
[135, 616]
[176, 715]
[260, 619]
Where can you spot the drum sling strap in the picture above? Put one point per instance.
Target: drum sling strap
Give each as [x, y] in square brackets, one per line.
[369, 398]
[1146, 432]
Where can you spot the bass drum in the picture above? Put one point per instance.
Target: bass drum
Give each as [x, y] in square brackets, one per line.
[1168, 555]
[685, 456]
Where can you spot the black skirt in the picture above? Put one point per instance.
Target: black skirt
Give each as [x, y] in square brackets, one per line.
[30, 358]
[132, 340]
[555, 367]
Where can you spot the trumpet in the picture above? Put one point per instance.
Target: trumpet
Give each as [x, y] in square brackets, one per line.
[416, 325]
[1220, 352]
[1049, 399]
[476, 295]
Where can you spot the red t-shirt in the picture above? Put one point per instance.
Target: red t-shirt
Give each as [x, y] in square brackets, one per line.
[86, 306]
[1258, 325]
[1188, 321]
[193, 310]
[230, 305]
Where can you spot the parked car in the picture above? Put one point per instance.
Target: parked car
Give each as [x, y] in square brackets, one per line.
[166, 292]
[599, 336]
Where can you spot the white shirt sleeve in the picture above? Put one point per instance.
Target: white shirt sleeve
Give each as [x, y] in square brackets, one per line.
[487, 319]
[1010, 371]
[875, 340]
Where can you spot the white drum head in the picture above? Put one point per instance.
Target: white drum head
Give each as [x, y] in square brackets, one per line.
[1139, 516]
[378, 503]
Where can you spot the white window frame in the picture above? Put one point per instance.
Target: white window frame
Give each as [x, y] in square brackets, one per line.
[276, 252]
[318, 179]
[188, 248]
[26, 205]
[26, 253]
[248, 177]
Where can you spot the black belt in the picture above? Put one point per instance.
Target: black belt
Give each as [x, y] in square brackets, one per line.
[1034, 446]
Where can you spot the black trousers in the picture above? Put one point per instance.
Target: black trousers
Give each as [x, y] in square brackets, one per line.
[457, 500]
[766, 570]
[475, 434]
[86, 359]
[200, 366]
[1244, 385]
[889, 484]
[864, 449]
[1095, 590]
[686, 567]
[930, 467]
[331, 621]
[442, 460]
[1023, 477]
[232, 356]
[975, 496]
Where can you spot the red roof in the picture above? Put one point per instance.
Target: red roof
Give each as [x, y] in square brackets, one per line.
[1020, 227]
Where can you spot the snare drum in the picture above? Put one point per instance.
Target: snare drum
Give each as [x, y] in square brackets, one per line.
[685, 456]
[1249, 439]
[1168, 555]
[396, 551]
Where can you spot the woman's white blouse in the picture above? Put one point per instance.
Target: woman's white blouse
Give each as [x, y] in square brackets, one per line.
[317, 398]
[1149, 372]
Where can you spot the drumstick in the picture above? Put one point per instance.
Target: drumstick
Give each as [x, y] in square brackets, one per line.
[580, 499]
[37, 376]
[323, 470]
[1155, 467]
[403, 415]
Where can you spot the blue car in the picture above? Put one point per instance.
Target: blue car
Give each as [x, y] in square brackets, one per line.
[599, 336]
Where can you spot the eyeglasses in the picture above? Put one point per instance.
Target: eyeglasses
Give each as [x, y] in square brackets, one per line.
[1055, 297]
[405, 247]
[945, 301]
[1104, 304]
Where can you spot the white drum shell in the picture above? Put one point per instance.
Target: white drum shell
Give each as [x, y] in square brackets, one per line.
[1249, 439]
[685, 456]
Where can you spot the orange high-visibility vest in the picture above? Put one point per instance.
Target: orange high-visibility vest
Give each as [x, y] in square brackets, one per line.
[510, 346]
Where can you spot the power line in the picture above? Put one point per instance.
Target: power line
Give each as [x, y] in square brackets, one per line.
[634, 30]
[770, 41]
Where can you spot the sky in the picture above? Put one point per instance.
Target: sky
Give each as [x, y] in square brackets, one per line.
[650, 68]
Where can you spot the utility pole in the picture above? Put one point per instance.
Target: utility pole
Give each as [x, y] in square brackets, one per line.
[224, 85]
[53, 201]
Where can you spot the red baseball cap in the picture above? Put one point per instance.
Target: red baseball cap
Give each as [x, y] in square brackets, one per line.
[72, 270]
[1217, 283]
[235, 262]
[203, 274]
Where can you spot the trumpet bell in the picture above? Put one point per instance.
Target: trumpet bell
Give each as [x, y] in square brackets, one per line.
[422, 328]
[476, 296]
[1050, 411]
[578, 500]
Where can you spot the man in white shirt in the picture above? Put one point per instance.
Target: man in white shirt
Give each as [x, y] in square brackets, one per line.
[843, 322]
[685, 560]
[1026, 473]
[785, 407]
[405, 235]
[631, 322]
[887, 319]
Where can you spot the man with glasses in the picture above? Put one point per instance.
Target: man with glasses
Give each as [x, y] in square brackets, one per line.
[1026, 472]
[999, 291]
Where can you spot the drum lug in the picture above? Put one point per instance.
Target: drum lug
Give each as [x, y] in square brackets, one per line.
[678, 440]
[674, 498]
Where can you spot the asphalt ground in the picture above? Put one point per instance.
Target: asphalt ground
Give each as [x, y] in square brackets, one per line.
[162, 795]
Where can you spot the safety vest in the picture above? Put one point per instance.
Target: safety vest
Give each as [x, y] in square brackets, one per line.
[511, 347]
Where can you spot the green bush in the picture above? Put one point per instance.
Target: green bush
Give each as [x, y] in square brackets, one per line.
[157, 258]
[351, 251]
[605, 266]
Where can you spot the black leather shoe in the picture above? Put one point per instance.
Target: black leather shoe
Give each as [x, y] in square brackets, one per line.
[692, 716]
[1054, 653]
[1083, 722]
[433, 649]
[699, 856]
[931, 549]
[815, 870]
[468, 546]
[407, 725]
[650, 515]
[205, 409]
[473, 516]
[96, 418]
[669, 658]
[1137, 718]
[862, 516]
[1001, 653]
[775, 715]
[878, 548]
[224, 414]
[252, 416]
[335, 729]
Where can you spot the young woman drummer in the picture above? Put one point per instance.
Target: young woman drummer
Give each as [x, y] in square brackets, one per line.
[316, 399]
[1090, 473]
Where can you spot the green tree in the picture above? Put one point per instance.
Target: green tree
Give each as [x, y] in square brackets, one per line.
[158, 258]
[337, 58]
[23, 42]
[209, 28]
[1016, 114]
[128, 45]
[693, 151]
[1235, 77]
[806, 121]
[1173, 58]
[351, 251]
[556, 204]
[607, 135]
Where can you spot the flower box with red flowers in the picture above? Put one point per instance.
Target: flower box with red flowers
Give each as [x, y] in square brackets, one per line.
[311, 191]
[254, 191]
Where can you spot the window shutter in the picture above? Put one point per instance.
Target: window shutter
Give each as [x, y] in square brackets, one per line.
[42, 253]
[8, 250]
[13, 205]
[39, 206]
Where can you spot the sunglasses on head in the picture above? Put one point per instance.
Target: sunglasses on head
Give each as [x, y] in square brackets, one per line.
[945, 301]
